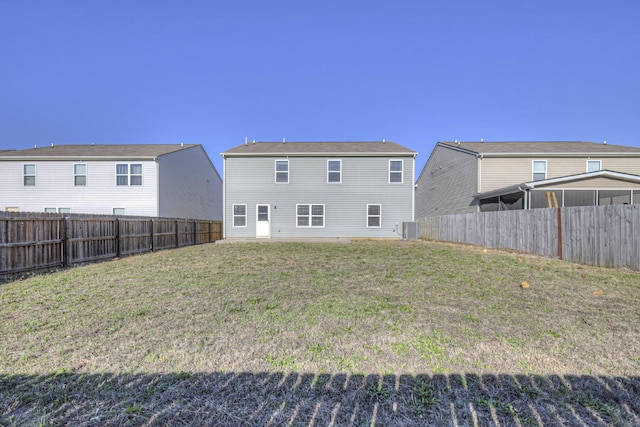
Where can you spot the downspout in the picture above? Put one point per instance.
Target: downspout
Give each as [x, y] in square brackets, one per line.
[479, 189]
[413, 191]
[224, 197]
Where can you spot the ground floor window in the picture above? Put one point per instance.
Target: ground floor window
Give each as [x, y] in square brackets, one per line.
[374, 216]
[310, 215]
[239, 215]
[118, 211]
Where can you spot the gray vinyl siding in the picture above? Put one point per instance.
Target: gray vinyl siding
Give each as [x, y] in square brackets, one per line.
[251, 181]
[55, 188]
[447, 184]
[189, 185]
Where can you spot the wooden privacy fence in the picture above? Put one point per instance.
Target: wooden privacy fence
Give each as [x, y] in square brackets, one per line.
[606, 236]
[35, 241]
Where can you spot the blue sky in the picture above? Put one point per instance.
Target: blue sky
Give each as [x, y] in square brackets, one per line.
[414, 72]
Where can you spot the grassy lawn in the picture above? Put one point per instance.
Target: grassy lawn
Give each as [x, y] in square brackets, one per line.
[367, 333]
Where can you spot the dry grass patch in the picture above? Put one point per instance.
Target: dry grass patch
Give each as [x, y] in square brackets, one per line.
[393, 332]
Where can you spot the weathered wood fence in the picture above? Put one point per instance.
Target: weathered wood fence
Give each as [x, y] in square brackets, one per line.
[32, 241]
[606, 236]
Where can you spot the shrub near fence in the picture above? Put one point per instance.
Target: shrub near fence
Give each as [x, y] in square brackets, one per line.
[31, 241]
[606, 236]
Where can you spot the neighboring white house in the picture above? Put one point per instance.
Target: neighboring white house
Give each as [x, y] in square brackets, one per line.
[318, 189]
[168, 180]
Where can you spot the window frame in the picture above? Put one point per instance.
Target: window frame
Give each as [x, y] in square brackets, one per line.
[379, 215]
[330, 172]
[26, 175]
[284, 161]
[533, 170]
[130, 175]
[310, 215]
[234, 215]
[77, 175]
[124, 211]
[594, 161]
[401, 171]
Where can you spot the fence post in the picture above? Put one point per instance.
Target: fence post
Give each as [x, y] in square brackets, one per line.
[117, 232]
[559, 233]
[153, 227]
[177, 234]
[67, 244]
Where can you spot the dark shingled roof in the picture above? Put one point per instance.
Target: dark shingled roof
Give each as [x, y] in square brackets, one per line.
[87, 151]
[318, 148]
[542, 147]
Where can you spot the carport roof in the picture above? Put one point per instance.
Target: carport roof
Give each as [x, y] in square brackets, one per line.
[559, 180]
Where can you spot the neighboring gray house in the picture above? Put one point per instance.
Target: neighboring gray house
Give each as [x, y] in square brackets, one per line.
[318, 189]
[463, 177]
[176, 180]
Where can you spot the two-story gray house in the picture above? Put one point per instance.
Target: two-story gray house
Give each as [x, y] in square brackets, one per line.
[318, 189]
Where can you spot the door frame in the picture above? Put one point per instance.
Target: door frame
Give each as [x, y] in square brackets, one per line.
[263, 231]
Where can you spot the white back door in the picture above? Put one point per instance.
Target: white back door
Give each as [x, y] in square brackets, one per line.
[263, 221]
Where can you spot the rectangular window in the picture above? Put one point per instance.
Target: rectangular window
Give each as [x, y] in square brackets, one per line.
[310, 215]
[80, 175]
[395, 171]
[594, 165]
[64, 210]
[374, 216]
[58, 210]
[239, 215]
[539, 170]
[129, 174]
[50, 210]
[118, 211]
[29, 172]
[282, 171]
[334, 171]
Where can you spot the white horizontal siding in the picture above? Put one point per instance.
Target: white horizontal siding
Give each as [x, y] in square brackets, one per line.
[55, 188]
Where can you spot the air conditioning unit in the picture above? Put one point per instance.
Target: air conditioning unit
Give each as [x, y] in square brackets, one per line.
[409, 230]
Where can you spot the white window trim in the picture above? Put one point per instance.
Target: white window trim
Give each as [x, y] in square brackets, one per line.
[233, 215]
[338, 171]
[130, 175]
[86, 173]
[275, 166]
[533, 171]
[368, 216]
[593, 161]
[401, 172]
[311, 216]
[35, 174]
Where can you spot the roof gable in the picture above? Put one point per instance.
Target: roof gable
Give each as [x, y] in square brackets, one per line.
[318, 149]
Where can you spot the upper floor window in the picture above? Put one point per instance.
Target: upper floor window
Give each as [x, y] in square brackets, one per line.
[239, 215]
[129, 174]
[539, 170]
[395, 171]
[310, 215]
[80, 174]
[334, 171]
[282, 171]
[29, 173]
[594, 165]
